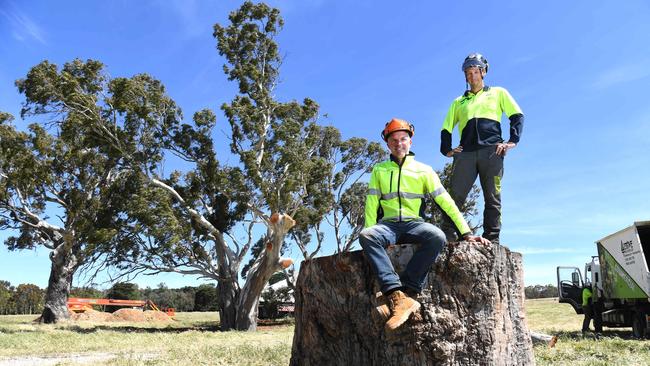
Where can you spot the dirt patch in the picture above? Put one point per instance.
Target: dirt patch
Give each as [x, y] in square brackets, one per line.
[92, 315]
[122, 315]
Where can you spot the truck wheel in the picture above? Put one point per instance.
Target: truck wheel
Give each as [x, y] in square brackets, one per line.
[639, 325]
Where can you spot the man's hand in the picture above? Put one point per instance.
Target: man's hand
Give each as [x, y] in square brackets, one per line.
[455, 151]
[503, 148]
[476, 239]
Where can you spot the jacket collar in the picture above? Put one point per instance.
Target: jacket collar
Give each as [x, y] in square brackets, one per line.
[468, 92]
[409, 157]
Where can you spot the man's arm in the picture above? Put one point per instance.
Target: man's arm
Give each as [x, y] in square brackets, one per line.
[372, 200]
[516, 116]
[447, 204]
[447, 129]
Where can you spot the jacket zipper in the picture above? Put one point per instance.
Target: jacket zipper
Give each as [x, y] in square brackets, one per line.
[478, 135]
[399, 197]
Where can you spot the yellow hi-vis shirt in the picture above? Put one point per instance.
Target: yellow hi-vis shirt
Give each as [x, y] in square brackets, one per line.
[400, 191]
[586, 295]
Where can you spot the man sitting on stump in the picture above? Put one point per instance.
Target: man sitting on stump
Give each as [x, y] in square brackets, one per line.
[393, 215]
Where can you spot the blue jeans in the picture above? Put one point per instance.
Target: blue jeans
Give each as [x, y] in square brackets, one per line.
[376, 238]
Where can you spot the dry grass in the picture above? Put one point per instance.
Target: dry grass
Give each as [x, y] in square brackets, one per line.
[193, 339]
[615, 348]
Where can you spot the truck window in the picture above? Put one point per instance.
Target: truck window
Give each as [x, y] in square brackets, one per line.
[575, 278]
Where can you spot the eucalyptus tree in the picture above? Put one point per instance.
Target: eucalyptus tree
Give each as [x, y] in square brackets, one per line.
[28, 298]
[66, 182]
[288, 169]
[291, 164]
[340, 193]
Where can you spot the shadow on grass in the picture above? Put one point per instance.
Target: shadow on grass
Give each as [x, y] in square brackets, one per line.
[14, 331]
[199, 326]
[132, 329]
[608, 333]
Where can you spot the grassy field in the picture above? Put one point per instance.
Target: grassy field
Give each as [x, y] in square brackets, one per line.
[615, 348]
[190, 340]
[193, 340]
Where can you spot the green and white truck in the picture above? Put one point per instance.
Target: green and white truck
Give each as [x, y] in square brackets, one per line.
[620, 277]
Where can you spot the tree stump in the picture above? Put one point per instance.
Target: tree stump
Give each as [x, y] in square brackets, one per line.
[472, 311]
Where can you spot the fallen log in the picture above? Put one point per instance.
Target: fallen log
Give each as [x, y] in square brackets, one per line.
[541, 338]
[472, 312]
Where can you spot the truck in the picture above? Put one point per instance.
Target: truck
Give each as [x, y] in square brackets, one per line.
[619, 278]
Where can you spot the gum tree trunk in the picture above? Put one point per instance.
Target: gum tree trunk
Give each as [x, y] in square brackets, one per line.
[64, 264]
[262, 270]
[472, 312]
[228, 294]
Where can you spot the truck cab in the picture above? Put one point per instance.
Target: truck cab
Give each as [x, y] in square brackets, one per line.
[570, 283]
[569, 287]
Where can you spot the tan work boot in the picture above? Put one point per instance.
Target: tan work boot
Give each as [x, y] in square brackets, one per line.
[401, 306]
[381, 312]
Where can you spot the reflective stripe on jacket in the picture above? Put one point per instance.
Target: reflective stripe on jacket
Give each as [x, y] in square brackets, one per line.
[399, 192]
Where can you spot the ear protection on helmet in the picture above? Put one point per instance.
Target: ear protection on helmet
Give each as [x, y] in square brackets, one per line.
[397, 124]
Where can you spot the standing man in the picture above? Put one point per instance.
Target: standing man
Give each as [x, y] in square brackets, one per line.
[393, 209]
[481, 150]
[590, 309]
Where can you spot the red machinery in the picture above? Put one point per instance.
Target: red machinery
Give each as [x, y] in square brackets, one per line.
[79, 304]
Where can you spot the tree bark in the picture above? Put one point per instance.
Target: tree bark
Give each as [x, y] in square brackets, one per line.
[228, 293]
[266, 265]
[472, 312]
[64, 264]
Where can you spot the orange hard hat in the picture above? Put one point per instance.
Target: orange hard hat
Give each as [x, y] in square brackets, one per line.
[397, 124]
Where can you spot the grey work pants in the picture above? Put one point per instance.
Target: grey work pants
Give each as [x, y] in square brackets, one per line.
[489, 167]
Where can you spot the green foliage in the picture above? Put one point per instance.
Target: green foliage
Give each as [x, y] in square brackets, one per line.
[28, 299]
[180, 299]
[271, 299]
[86, 292]
[468, 209]
[5, 117]
[252, 54]
[124, 291]
[7, 305]
[539, 291]
[23, 299]
[291, 164]
[83, 161]
[206, 298]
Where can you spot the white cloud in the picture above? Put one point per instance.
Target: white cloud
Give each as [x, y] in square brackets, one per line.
[533, 250]
[524, 59]
[189, 14]
[622, 74]
[23, 27]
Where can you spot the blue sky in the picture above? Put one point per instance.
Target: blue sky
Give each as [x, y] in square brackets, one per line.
[578, 70]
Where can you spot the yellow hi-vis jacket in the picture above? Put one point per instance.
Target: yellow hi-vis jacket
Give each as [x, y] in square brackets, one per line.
[396, 193]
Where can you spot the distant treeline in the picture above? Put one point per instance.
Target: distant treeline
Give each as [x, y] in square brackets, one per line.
[29, 298]
[539, 291]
